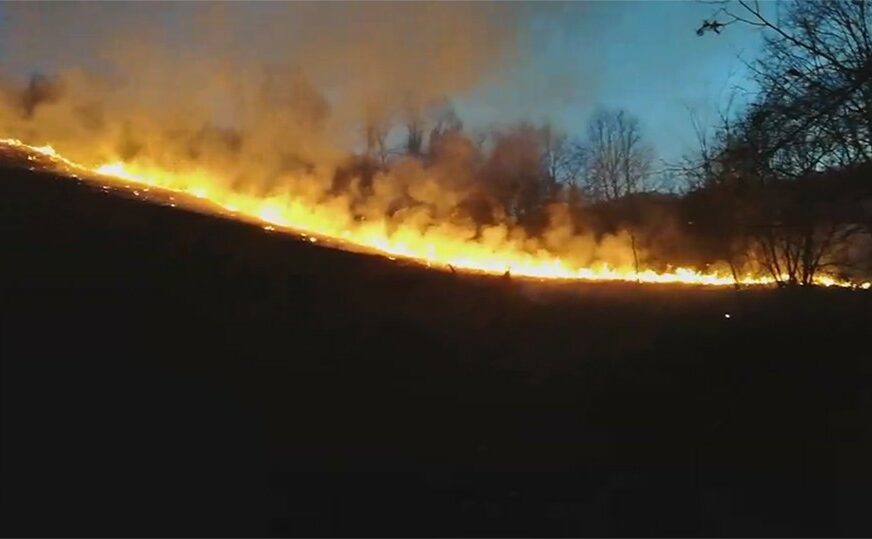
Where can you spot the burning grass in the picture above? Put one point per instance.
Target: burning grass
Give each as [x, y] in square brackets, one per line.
[443, 246]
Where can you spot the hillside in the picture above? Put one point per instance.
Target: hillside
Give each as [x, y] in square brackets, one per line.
[171, 373]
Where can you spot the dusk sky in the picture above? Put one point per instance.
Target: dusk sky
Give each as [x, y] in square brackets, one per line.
[641, 56]
[563, 60]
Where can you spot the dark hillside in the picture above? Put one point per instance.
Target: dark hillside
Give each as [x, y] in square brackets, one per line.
[170, 373]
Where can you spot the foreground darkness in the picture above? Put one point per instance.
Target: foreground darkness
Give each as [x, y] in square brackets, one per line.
[169, 373]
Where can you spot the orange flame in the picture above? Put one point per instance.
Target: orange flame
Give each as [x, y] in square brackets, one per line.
[435, 247]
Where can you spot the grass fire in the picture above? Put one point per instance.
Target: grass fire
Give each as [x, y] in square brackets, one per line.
[387, 163]
[495, 250]
[436, 269]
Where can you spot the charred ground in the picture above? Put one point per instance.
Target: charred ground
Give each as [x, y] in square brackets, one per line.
[166, 372]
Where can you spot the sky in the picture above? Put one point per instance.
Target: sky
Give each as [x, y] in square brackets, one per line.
[641, 56]
[563, 61]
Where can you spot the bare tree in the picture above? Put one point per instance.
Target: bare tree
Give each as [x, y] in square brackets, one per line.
[618, 161]
[562, 158]
[375, 136]
[811, 119]
[414, 144]
[815, 79]
[445, 121]
[802, 228]
[792, 226]
[514, 172]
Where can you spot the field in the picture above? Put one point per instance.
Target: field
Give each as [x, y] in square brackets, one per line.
[171, 373]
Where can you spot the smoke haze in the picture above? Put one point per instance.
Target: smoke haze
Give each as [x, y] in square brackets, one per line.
[272, 100]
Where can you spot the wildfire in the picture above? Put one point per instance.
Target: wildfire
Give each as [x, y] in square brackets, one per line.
[436, 247]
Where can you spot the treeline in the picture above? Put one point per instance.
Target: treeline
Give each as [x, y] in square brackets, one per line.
[781, 187]
[526, 165]
[522, 174]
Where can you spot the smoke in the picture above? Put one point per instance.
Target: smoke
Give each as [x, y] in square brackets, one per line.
[213, 59]
[275, 99]
[289, 78]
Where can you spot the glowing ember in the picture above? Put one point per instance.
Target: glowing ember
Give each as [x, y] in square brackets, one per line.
[433, 247]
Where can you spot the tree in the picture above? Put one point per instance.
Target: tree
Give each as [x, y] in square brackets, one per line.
[815, 79]
[618, 162]
[414, 137]
[375, 135]
[717, 175]
[562, 158]
[811, 119]
[414, 144]
[514, 172]
[793, 225]
[446, 123]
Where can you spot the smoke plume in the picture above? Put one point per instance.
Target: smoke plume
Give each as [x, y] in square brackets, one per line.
[290, 102]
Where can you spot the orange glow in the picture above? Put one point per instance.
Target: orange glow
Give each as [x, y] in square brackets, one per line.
[438, 247]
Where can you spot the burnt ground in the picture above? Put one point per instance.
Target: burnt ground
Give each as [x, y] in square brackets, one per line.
[170, 373]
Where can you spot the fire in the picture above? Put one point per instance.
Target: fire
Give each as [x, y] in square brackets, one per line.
[435, 247]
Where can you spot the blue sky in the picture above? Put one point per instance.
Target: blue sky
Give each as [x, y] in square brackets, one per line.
[641, 56]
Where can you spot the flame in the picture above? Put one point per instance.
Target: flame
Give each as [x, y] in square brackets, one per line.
[435, 247]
